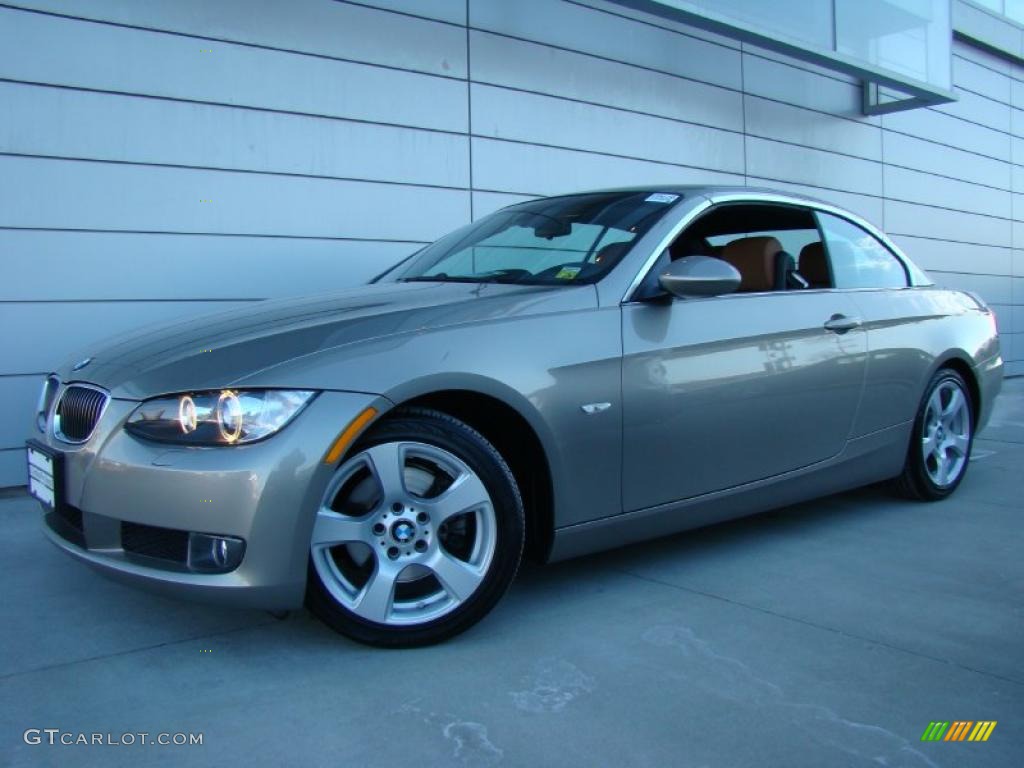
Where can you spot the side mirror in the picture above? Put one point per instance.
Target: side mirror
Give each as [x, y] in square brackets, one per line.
[693, 276]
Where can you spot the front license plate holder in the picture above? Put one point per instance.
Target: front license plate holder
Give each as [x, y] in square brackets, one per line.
[45, 474]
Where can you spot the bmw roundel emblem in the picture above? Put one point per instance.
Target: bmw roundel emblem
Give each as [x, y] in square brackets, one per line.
[403, 531]
[81, 364]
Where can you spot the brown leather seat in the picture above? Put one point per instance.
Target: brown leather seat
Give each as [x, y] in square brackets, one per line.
[755, 260]
[813, 265]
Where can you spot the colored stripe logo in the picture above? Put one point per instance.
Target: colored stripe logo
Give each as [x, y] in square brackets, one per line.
[959, 730]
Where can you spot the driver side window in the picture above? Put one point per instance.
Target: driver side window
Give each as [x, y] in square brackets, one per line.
[763, 242]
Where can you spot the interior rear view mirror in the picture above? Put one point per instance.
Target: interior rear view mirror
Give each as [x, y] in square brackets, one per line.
[552, 227]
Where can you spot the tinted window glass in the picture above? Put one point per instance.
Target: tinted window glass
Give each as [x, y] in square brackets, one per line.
[793, 241]
[858, 259]
[762, 241]
[553, 241]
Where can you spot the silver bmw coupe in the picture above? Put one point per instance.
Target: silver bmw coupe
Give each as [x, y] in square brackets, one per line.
[563, 376]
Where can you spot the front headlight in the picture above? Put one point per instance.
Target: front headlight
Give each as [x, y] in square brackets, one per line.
[223, 417]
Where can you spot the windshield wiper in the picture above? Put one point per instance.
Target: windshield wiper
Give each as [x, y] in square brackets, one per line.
[440, 279]
[482, 278]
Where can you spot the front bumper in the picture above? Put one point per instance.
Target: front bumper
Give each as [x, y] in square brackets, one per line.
[266, 494]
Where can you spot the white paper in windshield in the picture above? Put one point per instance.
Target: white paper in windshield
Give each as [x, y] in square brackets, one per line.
[661, 197]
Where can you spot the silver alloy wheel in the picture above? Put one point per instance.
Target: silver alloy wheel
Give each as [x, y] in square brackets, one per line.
[400, 540]
[946, 437]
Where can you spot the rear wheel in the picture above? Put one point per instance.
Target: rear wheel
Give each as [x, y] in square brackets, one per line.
[419, 533]
[940, 448]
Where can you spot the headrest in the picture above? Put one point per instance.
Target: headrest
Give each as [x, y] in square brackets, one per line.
[689, 246]
[813, 265]
[754, 259]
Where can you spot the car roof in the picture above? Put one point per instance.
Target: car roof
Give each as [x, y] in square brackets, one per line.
[708, 190]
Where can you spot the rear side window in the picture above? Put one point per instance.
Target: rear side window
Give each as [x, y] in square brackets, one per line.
[858, 259]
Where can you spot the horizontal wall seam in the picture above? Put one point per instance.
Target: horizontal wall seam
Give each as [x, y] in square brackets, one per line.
[228, 105]
[933, 110]
[985, 96]
[983, 65]
[210, 234]
[392, 67]
[454, 78]
[738, 48]
[892, 233]
[387, 66]
[229, 41]
[525, 142]
[943, 240]
[449, 132]
[397, 12]
[890, 164]
[653, 24]
[624, 157]
[740, 132]
[224, 169]
[933, 271]
[614, 107]
[677, 76]
[948, 146]
[466, 188]
[607, 59]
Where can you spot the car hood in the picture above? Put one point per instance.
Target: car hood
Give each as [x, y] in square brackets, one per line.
[226, 349]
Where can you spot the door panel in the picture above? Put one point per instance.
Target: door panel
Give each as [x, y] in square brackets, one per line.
[723, 391]
[906, 328]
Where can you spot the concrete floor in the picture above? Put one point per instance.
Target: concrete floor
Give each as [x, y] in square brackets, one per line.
[827, 634]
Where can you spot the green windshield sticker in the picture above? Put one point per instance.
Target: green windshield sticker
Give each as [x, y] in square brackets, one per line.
[567, 273]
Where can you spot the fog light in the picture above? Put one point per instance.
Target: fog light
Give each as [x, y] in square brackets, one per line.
[214, 554]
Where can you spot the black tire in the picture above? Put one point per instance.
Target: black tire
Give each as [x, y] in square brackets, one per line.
[915, 482]
[439, 429]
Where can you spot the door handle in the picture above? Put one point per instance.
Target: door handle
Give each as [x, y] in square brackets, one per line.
[841, 323]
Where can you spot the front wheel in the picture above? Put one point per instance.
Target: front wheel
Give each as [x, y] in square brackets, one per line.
[940, 447]
[419, 533]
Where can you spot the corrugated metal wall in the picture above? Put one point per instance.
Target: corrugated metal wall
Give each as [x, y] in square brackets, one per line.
[160, 159]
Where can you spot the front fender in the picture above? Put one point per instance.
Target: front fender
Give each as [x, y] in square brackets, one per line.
[545, 367]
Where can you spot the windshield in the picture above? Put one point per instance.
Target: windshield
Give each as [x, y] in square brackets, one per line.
[554, 241]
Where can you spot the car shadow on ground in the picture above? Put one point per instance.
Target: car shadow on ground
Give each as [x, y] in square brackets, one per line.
[732, 536]
[542, 587]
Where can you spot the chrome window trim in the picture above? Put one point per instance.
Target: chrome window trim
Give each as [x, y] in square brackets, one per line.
[714, 199]
[673, 233]
[55, 421]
